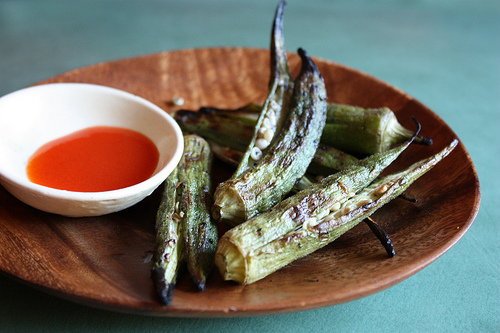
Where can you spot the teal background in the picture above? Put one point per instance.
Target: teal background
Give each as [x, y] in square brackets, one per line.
[444, 53]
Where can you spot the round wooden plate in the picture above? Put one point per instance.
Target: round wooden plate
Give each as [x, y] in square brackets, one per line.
[105, 261]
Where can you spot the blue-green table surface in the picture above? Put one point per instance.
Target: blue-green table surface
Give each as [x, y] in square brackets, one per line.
[444, 53]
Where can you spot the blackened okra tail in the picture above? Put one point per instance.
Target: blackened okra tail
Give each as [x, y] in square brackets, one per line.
[199, 229]
[246, 262]
[287, 158]
[382, 236]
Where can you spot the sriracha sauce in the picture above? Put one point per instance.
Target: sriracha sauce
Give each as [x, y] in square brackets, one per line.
[94, 159]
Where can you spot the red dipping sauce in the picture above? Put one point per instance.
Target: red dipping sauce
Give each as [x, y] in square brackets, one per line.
[94, 159]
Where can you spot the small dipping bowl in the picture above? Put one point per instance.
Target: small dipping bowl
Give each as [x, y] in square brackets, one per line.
[33, 116]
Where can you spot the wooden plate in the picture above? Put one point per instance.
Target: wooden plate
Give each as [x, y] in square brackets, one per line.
[105, 261]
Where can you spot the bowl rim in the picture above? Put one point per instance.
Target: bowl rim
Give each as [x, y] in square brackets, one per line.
[149, 184]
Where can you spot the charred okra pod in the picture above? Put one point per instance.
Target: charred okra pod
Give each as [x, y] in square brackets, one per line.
[199, 230]
[276, 107]
[231, 128]
[229, 132]
[287, 159]
[255, 249]
[330, 159]
[228, 128]
[314, 202]
[169, 243]
[348, 128]
[184, 228]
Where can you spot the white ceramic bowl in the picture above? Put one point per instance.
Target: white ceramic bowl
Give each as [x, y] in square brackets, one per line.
[34, 116]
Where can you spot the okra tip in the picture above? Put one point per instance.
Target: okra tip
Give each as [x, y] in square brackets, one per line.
[307, 63]
[201, 285]
[163, 289]
[383, 237]
[278, 17]
[199, 277]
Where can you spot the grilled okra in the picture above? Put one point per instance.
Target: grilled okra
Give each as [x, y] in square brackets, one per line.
[330, 159]
[169, 243]
[258, 247]
[210, 123]
[273, 176]
[317, 199]
[229, 133]
[231, 128]
[185, 231]
[276, 107]
[199, 229]
[348, 128]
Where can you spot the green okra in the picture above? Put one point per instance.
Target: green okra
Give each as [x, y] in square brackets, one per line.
[185, 231]
[348, 128]
[331, 159]
[327, 159]
[276, 107]
[287, 158]
[258, 247]
[330, 192]
[199, 229]
[169, 242]
[229, 132]
[221, 126]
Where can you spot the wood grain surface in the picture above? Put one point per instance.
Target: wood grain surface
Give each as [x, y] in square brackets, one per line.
[105, 262]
